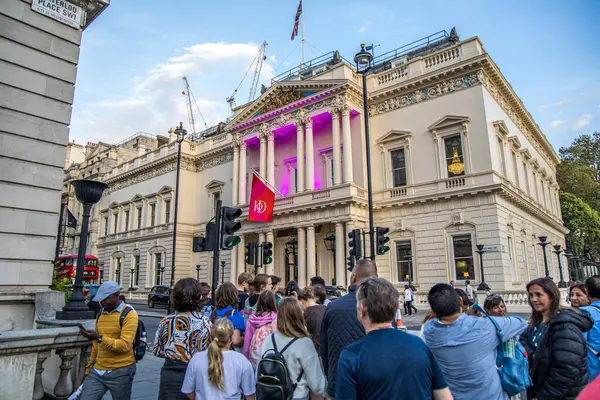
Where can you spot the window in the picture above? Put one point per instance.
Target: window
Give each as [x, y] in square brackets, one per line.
[535, 184]
[515, 167]
[216, 197]
[463, 257]
[524, 258]
[115, 220]
[136, 265]
[511, 260]
[501, 156]
[295, 180]
[126, 220]
[332, 169]
[119, 262]
[404, 261]
[398, 167]
[158, 268]
[139, 217]
[526, 175]
[105, 226]
[152, 214]
[454, 156]
[167, 211]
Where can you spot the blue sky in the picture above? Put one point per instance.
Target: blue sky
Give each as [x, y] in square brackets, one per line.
[134, 55]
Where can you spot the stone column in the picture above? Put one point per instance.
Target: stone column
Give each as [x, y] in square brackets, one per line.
[234, 261]
[64, 385]
[310, 156]
[300, 157]
[347, 142]
[271, 267]
[271, 158]
[241, 259]
[311, 262]
[349, 227]
[302, 258]
[261, 240]
[242, 195]
[263, 154]
[236, 173]
[38, 386]
[337, 149]
[340, 255]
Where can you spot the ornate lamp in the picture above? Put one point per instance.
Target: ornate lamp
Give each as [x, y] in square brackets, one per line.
[544, 243]
[330, 242]
[558, 251]
[457, 167]
[480, 250]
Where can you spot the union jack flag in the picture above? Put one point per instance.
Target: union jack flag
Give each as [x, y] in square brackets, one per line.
[297, 20]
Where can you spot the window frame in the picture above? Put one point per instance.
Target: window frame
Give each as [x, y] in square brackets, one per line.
[461, 155]
[136, 269]
[126, 220]
[392, 170]
[139, 210]
[451, 125]
[452, 237]
[152, 215]
[410, 266]
[167, 211]
[115, 221]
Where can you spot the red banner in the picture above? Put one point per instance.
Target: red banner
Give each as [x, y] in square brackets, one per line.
[262, 201]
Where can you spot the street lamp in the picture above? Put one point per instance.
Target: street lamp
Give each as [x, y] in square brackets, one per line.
[558, 251]
[131, 279]
[480, 251]
[544, 243]
[88, 193]
[180, 132]
[363, 60]
[198, 273]
[330, 245]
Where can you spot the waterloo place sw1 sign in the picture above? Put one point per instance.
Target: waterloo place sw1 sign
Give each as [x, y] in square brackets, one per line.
[60, 10]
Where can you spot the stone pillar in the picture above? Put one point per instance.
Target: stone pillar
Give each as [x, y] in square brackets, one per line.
[301, 257]
[263, 154]
[271, 267]
[234, 261]
[300, 157]
[340, 255]
[310, 156]
[84, 358]
[241, 259]
[38, 386]
[242, 195]
[349, 227]
[271, 158]
[236, 173]
[261, 240]
[347, 142]
[337, 148]
[311, 262]
[64, 385]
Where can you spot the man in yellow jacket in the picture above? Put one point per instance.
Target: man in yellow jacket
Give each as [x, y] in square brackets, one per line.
[112, 363]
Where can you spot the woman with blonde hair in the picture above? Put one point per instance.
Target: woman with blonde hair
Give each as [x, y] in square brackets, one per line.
[293, 341]
[219, 373]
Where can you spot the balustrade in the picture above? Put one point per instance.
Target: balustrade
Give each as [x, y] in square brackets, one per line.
[323, 194]
[452, 183]
[442, 57]
[397, 192]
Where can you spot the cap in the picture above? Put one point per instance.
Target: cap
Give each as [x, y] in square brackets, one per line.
[105, 290]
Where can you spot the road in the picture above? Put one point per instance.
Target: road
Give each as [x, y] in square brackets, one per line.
[150, 322]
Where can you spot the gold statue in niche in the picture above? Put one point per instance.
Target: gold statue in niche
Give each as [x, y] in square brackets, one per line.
[281, 97]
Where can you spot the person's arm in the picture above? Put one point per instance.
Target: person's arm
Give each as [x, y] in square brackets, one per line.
[510, 326]
[248, 338]
[248, 381]
[191, 396]
[442, 394]
[323, 344]
[239, 326]
[159, 349]
[92, 360]
[188, 387]
[313, 371]
[237, 340]
[524, 340]
[346, 382]
[124, 343]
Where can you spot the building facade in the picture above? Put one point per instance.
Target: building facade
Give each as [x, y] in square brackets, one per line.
[456, 161]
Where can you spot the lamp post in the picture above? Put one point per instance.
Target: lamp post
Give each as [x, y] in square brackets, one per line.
[558, 251]
[481, 251]
[363, 60]
[222, 272]
[88, 193]
[198, 273]
[544, 243]
[330, 245]
[180, 132]
[131, 279]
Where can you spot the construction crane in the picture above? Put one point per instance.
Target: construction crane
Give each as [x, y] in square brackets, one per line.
[189, 97]
[257, 62]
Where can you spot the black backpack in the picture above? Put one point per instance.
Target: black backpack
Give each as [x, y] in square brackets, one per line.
[273, 378]
[140, 343]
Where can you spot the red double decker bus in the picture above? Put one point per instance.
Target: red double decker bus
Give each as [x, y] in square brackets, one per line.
[67, 265]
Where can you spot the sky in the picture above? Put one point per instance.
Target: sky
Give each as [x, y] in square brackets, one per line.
[135, 53]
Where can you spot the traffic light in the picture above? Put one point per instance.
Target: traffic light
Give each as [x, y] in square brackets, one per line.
[355, 243]
[198, 244]
[350, 263]
[250, 249]
[229, 227]
[210, 242]
[382, 240]
[267, 253]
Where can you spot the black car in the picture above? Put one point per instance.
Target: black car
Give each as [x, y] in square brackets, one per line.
[159, 294]
[334, 292]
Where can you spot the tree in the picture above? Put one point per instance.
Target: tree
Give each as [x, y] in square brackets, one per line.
[584, 151]
[583, 222]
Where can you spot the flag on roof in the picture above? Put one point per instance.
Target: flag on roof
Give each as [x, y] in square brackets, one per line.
[297, 20]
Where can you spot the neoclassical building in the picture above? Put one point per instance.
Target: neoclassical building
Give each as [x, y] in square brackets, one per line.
[456, 161]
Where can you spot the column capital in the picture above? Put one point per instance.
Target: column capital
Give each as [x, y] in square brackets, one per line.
[237, 142]
[265, 130]
[243, 145]
[310, 227]
[335, 113]
[303, 118]
[271, 136]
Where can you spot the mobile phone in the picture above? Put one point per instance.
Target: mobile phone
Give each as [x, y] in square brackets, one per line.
[291, 287]
[81, 327]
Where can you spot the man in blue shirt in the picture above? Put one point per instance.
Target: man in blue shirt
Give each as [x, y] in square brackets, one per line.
[466, 346]
[592, 285]
[386, 363]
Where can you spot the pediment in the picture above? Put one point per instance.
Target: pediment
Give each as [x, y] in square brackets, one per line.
[501, 127]
[215, 184]
[394, 136]
[114, 204]
[101, 147]
[526, 154]
[165, 189]
[514, 141]
[448, 121]
[281, 95]
[137, 197]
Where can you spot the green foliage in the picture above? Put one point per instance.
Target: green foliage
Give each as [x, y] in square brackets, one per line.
[582, 221]
[61, 285]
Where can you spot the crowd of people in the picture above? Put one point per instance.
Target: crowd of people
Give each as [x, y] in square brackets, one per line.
[263, 341]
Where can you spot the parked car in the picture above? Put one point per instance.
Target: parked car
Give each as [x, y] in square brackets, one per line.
[334, 292]
[89, 291]
[159, 294]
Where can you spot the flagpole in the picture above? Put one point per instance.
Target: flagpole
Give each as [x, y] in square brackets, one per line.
[302, 62]
[267, 183]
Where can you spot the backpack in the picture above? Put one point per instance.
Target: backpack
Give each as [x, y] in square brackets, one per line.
[273, 377]
[213, 315]
[511, 361]
[140, 343]
[248, 310]
[258, 339]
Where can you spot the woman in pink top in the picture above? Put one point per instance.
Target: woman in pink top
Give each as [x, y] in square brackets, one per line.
[260, 326]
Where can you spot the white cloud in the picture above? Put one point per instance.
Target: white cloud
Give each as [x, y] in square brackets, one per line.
[582, 121]
[154, 101]
[363, 28]
[557, 124]
[556, 104]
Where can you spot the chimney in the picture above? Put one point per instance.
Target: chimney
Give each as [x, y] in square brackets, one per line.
[172, 135]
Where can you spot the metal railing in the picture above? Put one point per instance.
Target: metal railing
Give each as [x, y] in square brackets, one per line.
[331, 58]
[418, 45]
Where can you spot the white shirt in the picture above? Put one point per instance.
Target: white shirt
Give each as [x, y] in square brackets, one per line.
[407, 295]
[238, 377]
[469, 291]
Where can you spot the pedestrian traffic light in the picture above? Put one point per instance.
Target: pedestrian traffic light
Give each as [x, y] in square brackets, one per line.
[350, 263]
[267, 251]
[355, 243]
[198, 244]
[382, 240]
[210, 241]
[229, 226]
[250, 249]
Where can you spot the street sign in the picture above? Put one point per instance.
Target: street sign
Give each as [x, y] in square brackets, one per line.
[61, 11]
[491, 249]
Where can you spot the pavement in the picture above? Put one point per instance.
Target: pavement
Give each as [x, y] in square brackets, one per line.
[147, 379]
